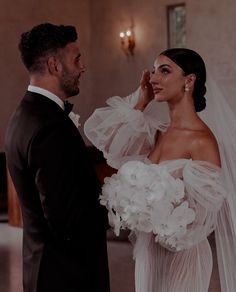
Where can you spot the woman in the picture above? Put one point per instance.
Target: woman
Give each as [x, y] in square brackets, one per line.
[187, 149]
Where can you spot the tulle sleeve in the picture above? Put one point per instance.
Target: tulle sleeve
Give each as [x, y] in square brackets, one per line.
[178, 201]
[205, 194]
[121, 132]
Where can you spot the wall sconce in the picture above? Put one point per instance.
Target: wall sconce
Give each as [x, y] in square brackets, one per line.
[128, 41]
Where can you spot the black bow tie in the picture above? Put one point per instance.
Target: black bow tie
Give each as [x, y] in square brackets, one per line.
[68, 107]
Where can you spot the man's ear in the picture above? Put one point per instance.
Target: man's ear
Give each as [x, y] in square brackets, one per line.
[189, 81]
[53, 65]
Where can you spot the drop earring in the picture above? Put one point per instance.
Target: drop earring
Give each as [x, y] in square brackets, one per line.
[186, 88]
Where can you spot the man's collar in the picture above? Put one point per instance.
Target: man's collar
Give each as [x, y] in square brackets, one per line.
[46, 93]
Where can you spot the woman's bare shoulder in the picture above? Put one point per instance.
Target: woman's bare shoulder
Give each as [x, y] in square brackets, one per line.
[204, 146]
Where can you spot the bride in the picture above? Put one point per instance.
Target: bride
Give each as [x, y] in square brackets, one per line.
[130, 129]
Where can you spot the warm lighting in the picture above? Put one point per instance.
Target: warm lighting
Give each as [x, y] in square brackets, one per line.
[128, 41]
[128, 33]
[122, 34]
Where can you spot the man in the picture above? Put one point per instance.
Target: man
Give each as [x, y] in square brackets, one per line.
[64, 237]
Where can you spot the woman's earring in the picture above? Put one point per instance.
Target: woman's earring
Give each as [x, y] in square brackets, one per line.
[186, 88]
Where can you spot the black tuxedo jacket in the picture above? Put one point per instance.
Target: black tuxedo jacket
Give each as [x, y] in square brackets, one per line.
[64, 226]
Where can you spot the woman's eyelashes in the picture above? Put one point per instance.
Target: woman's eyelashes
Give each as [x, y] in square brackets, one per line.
[162, 70]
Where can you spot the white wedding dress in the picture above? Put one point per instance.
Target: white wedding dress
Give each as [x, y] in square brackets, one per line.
[124, 134]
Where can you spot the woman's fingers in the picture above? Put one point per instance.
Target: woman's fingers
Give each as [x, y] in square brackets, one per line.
[144, 82]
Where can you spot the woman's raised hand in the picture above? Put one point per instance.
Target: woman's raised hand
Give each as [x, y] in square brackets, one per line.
[146, 91]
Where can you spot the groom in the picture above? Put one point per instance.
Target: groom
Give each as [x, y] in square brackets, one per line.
[64, 235]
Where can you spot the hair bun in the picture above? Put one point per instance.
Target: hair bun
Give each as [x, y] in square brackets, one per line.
[200, 103]
[199, 98]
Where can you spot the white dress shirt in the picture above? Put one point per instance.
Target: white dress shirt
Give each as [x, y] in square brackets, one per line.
[46, 93]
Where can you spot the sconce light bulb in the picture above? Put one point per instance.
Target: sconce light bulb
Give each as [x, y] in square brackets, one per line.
[127, 40]
[128, 33]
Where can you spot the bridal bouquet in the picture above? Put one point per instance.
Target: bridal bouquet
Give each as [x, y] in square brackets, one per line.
[145, 197]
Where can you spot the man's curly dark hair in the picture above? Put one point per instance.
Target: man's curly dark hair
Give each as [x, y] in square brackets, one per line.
[43, 40]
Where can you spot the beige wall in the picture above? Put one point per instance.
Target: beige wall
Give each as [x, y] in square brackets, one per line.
[210, 30]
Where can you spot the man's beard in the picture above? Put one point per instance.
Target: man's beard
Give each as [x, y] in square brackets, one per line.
[69, 83]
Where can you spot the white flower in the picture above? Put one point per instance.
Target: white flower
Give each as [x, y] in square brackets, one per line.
[155, 192]
[159, 216]
[75, 118]
[147, 198]
[182, 215]
[175, 189]
[115, 222]
[134, 173]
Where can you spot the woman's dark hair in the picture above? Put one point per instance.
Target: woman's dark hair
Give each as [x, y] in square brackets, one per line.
[191, 62]
[44, 39]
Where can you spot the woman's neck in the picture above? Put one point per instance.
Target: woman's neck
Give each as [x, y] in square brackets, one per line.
[182, 114]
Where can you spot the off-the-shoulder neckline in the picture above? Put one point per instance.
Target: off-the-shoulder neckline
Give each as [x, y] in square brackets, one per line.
[187, 160]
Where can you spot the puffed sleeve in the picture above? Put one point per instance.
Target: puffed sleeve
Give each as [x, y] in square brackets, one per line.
[121, 132]
[205, 194]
